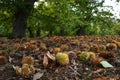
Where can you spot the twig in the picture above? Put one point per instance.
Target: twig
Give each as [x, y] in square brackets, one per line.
[74, 71]
[86, 78]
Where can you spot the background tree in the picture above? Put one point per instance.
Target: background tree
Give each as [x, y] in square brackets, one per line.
[55, 17]
[21, 10]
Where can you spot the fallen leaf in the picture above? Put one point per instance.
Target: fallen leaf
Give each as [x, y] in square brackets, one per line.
[56, 50]
[105, 64]
[37, 76]
[57, 70]
[64, 47]
[50, 56]
[45, 61]
[43, 46]
[3, 59]
[14, 67]
[10, 59]
[96, 60]
[32, 41]
[98, 70]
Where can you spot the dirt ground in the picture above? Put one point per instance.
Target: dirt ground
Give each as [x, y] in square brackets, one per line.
[107, 47]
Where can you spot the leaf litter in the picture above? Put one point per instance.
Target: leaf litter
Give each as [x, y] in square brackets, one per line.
[105, 65]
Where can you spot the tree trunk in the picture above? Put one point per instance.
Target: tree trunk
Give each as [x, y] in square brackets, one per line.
[30, 32]
[62, 32]
[20, 24]
[21, 16]
[50, 32]
[38, 32]
[81, 31]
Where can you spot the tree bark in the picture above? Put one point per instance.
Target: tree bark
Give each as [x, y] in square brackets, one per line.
[31, 34]
[81, 31]
[20, 24]
[38, 32]
[61, 32]
[21, 15]
[50, 32]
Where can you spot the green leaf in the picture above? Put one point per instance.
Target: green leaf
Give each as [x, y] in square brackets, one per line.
[105, 64]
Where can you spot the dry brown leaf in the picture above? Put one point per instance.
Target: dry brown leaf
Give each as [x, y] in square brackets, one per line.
[33, 47]
[56, 50]
[43, 46]
[32, 41]
[118, 44]
[45, 61]
[77, 52]
[64, 47]
[75, 42]
[16, 46]
[112, 79]
[3, 53]
[100, 78]
[25, 46]
[4, 46]
[96, 60]
[3, 59]
[98, 70]
[50, 56]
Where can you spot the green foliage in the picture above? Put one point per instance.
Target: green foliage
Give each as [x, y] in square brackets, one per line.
[116, 28]
[60, 17]
[5, 23]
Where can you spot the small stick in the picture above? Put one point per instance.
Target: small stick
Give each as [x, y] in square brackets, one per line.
[74, 71]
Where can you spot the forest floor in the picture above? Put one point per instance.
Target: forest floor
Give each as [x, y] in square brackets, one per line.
[43, 51]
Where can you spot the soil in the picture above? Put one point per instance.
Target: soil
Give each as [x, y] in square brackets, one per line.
[15, 49]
